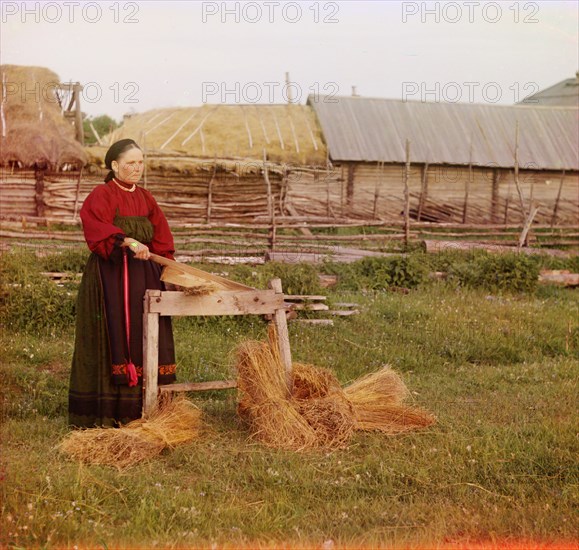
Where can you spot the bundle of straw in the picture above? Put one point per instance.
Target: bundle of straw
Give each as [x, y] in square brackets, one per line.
[320, 400]
[265, 403]
[174, 423]
[317, 412]
[311, 382]
[378, 398]
[314, 414]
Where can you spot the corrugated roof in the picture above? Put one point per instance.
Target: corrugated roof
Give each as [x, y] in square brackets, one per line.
[376, 129]
[564, 93]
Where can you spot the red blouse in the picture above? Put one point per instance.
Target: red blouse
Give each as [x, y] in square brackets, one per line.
[100, 207]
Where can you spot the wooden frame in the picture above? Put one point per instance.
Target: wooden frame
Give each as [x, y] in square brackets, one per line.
[250, 302]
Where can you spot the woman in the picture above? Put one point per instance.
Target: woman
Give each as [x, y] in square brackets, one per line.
[122, 225]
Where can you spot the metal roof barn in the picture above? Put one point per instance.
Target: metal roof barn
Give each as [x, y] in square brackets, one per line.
[564, 93]
[373, 129]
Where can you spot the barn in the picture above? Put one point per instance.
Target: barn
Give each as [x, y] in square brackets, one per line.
[462, 159]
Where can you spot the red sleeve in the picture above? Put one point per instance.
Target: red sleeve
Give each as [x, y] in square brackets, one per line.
[162, 242]
[97, 214]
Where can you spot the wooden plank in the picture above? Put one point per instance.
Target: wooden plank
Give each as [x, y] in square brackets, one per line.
[310, 307]
[318, 257]
[344, 313]
[252, 302]
[280, 321]
[559, 277]
[198, 386]
[150, 352]
[323, 322]
[301, 297]
[327, 281]
[439, 246]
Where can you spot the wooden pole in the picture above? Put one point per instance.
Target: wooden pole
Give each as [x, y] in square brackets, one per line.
[328, 196]
[495, 196]
[527, 226]
[284, 190]
[78, 113]
[519, 191]
[350, 188]
[556, 207]
[95, 133]
[77, 198]
[467, 186]
[280, 322]
[39, 190]
[150, 353]
[342, 194]
[423, 190]
[507, 201]
[377, 188]
[144, 146]
[270, 204]
[210, 191]
[407, 196]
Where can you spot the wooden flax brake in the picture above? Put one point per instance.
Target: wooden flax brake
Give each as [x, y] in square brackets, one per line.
[226, 298]
[188, 276]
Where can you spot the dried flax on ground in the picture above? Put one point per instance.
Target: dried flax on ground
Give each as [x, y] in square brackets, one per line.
[317, 411]
[174, 423]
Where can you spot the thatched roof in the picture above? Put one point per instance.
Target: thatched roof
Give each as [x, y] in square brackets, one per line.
[176, 163]
[32, 127]
[289, 133]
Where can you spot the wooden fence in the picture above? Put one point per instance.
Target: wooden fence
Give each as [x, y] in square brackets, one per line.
[358, 192]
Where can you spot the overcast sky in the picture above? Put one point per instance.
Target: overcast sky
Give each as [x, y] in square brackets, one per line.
[135, 56]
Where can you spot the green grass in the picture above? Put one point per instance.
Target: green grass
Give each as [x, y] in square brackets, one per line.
[499, 370]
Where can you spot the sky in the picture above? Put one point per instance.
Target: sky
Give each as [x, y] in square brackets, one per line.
[137, 56]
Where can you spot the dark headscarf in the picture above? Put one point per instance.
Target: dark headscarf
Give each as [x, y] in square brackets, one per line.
[115, 151]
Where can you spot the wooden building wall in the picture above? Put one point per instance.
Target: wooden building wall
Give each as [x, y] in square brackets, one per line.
[438, 193]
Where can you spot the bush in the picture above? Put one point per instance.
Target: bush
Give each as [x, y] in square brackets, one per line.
[299, 278]
[30, 301]
[378, 273]
[71, 260]
[497, 273]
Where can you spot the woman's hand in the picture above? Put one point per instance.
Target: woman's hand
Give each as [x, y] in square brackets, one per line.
[140, 250]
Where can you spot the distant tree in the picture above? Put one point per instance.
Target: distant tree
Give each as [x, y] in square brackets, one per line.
[103, 124]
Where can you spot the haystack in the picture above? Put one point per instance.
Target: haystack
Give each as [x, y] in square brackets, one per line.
[317, 412]
[33, 130]
[174, 423]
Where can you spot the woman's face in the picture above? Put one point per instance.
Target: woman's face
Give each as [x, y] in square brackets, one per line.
[129, 166]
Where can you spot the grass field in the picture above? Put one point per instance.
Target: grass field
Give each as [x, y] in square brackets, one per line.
[499, 370]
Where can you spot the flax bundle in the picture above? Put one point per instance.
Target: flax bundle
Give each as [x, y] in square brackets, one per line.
[174, 423]
[317, 412]
[378, 398]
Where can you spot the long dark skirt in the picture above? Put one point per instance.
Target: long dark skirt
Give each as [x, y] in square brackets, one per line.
[99, 394]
